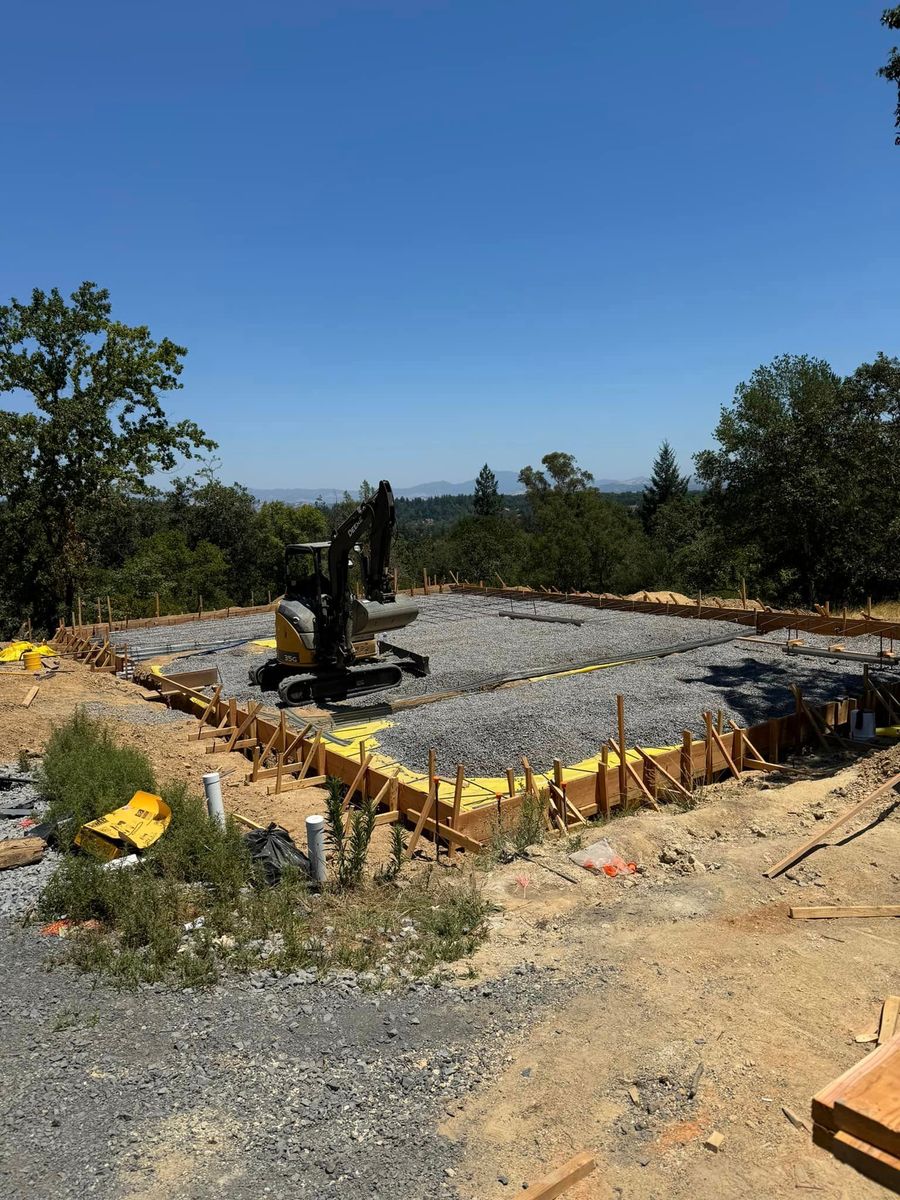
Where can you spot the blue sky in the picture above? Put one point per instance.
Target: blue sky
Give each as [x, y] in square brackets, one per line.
[401, 238]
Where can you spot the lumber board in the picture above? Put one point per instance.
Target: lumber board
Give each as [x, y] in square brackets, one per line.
[29, 696]
[875, 1164]
[888, 1025]
[820, 911]
[823, 1101]
[562, 1178]
[869, 1107]
[296, 784]
[445, 831]
[821, 834]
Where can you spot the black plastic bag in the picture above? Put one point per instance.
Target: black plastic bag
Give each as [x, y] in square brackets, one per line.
[274, 849]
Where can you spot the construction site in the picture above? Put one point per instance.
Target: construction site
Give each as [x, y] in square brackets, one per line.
[689, 948]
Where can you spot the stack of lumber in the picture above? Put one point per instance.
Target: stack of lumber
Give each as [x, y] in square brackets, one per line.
[857, 1117]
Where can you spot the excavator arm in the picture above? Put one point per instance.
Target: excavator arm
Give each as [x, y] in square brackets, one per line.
[377, 518]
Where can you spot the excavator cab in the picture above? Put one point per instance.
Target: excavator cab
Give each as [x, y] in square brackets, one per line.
[326, 638]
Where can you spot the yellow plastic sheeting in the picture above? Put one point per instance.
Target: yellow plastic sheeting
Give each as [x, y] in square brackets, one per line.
[14, 651]
[134, 826]
[266, 643]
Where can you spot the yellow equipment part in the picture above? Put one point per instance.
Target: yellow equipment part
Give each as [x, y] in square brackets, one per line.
[289, 644]
[134, 826]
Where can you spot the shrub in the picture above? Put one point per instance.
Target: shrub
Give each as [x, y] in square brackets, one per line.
[85, 773]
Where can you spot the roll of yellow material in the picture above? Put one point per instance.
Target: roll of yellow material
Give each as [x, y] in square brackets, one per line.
[32, 660]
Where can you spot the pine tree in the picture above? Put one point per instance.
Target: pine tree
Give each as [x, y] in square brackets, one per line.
[666, 483]
[487, 498]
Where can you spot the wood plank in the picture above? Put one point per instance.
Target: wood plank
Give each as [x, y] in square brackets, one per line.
[818, 911]
[422, 818]
[562, 1178]
[869, 1108]
[820, 835]
[657, 766]
[448, 834]
[875, 1164]
[889, 1024]
[29, 696]
[296, 784]
[823, 1102]
[21, 852]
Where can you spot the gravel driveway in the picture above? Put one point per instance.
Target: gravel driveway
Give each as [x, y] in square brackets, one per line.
[263, 1086]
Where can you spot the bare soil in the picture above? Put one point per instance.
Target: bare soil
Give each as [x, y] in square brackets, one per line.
[704, 968]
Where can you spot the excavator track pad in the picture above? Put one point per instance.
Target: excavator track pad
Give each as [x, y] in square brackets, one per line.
[338, 685]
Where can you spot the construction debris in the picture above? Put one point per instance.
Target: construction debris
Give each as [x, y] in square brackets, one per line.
[134, 826]
[831, 911]
[562, 1178]
[21, 852]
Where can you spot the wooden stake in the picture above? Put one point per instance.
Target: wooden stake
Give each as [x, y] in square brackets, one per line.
[109, 611]
[634, 775]
[529, 777]
[687, 760]
[358, 778]
[708, 772]
[657, 766]
[817, 838]
[511, 781]
[156, 595]
[620, 720]
[457, 795]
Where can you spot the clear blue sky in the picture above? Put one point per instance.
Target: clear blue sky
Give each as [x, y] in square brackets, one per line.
[401, 238]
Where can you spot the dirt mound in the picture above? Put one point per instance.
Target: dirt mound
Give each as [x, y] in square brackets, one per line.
[661, 598]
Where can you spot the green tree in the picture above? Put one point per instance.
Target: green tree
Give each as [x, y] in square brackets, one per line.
[487, 497]
[166, 564]
[94, 426]
[277, 525]
[565, 475]
[666, 483]
[806, 468]
[891, 69]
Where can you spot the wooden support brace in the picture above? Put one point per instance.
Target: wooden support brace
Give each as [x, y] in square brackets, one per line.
[358, 779]
[634, 775]
[657, 765]
[422, 818]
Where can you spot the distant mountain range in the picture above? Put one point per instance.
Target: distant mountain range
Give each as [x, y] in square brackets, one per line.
[507, 481]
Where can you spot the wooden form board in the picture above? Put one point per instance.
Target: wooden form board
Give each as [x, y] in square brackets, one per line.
[218, 614]
[857, 1117]
[869, 1107]
[765, 621]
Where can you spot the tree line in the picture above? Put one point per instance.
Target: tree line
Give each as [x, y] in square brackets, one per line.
[797, 495]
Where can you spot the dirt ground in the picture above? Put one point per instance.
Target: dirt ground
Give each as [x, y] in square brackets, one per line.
[709, 986]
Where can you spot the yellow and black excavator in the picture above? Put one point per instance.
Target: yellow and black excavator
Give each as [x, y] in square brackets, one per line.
[327, 644]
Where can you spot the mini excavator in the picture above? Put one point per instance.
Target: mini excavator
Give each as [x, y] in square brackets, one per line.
[327, 644]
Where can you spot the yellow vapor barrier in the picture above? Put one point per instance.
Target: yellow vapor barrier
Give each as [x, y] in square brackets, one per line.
[266, 643]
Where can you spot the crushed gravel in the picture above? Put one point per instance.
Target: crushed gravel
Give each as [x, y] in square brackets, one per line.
[21, 886]
[261, 1086]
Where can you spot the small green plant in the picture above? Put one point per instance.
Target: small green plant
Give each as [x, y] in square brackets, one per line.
[23, 762]
[394, 864]
[350, 845]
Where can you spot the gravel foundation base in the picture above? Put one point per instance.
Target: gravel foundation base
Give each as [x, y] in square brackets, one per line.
[468, 640]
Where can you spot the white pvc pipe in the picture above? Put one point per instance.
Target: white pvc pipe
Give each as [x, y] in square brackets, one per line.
[214, 806]
[315, 847]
